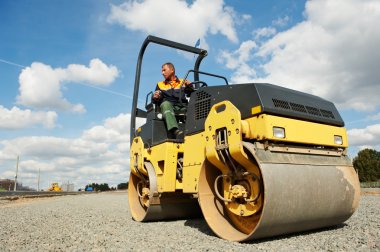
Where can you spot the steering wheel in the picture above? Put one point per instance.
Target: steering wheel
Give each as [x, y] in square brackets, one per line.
[191, 87]
[203, 84]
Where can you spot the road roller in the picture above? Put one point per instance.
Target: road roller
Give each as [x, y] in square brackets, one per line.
[256, 160]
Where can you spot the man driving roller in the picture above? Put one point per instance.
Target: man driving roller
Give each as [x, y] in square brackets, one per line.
[167, 96]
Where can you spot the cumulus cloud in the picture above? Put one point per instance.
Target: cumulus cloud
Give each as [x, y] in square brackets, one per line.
[96, 73]
[100, 154]
[154, 17]
[16, 118]
[333, 53]
[41, 85]
[115, 130]
[34, 166]
[238, 60]
[368, 136]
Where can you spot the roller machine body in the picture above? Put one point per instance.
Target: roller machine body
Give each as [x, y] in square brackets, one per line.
[257, 160]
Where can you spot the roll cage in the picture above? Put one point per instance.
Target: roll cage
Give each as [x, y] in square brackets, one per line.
[168, 43]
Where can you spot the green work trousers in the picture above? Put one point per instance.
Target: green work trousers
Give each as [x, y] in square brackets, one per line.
[169, 110]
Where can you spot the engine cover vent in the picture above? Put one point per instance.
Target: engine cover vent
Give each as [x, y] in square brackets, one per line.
[202, 105]
[282, 104]
[327, 113]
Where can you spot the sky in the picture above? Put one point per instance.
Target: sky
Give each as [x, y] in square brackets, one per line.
[67, 71]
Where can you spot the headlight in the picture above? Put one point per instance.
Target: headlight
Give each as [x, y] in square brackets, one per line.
[278, 132]
[338, 140]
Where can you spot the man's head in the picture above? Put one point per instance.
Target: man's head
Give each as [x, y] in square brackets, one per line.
[168, 71]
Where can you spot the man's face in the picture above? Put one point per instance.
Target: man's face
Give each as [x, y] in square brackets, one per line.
[167, 72]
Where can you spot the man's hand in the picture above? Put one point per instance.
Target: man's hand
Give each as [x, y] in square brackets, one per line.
[188, 87]
[187, 82]
[157, 95]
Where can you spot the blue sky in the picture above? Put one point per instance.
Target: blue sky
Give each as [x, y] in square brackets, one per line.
[67, 71]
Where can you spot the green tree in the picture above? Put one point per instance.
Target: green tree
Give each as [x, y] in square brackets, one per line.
[104, 187]
[122, 186]
[367, 163]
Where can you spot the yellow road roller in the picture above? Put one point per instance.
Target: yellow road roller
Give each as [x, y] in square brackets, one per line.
[256, 159]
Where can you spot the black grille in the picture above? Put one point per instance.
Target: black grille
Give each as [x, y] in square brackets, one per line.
[298, 107]
[313, 111]
[202, 95]
[327, 114]
[202, 105]
[282, 104]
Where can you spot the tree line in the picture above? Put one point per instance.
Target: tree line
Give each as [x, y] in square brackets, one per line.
[99, 187]
[105, 187]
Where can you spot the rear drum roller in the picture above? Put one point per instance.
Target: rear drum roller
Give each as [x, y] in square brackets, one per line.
[147, 204]
[140, 194]
[282, 193]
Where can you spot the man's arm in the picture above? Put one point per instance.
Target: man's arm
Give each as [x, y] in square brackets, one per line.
[188, 87]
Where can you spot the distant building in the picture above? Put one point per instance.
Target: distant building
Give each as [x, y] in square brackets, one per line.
[67, 187]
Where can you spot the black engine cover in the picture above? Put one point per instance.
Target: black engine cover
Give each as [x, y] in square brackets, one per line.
[274, 100]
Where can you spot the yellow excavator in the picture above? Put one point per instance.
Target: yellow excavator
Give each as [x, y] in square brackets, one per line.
[257, 160]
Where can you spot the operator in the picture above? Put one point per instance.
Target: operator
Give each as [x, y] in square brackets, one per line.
[167, 96]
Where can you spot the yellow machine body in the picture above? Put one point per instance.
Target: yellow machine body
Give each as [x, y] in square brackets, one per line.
[267, 161]
[164, 156]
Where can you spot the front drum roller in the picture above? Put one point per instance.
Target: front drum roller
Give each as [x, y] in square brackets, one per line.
[146, 204]
[299, 192]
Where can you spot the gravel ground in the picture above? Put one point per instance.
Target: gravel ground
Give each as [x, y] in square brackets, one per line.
[102, 222]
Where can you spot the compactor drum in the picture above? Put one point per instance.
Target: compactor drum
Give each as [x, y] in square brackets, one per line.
[257, 160]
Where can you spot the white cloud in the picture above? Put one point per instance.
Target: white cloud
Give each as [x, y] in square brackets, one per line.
[333, 54]
[281, 21]
[173, 19]
[41, 85]
[46, 147]
[246, 17]
[114, 130]
[238, 60]
[101, 134]
[374, 117]
[34, 166]
[120, 123]
[97, 73]
[264, 32]
[100, 154]
[17, 118]
[369, 136]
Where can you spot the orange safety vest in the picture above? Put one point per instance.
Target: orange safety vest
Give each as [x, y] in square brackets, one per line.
[170, 90]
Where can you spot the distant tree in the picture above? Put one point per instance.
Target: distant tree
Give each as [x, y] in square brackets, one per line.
[122, 186]
[367, 163]
[99, 187]
[104, 187]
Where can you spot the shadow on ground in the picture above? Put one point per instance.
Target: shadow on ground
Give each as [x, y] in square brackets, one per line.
[201, 225]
